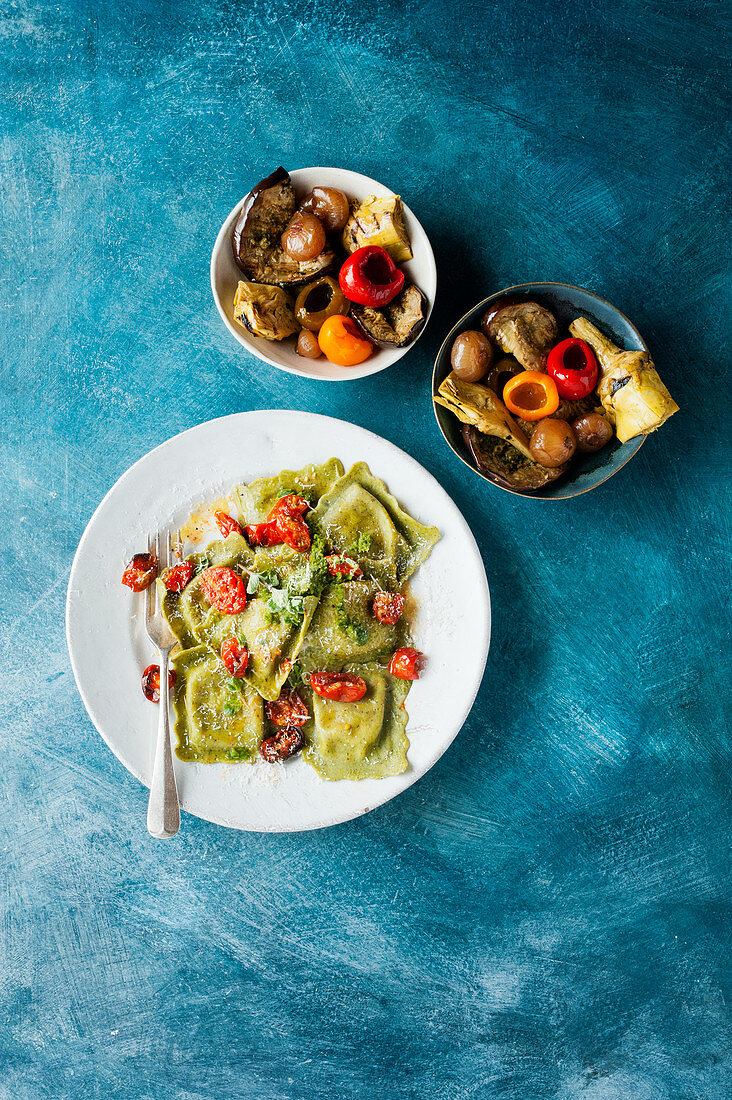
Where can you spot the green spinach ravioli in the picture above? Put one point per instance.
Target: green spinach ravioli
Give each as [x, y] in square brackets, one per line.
[329, 602]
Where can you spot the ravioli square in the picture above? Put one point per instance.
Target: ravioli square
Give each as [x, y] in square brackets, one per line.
[217, 718]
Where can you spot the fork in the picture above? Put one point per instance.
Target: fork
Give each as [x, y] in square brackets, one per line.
[163, 810]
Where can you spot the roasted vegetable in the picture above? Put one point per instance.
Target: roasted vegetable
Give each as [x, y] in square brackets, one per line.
[632, 393]
[531, 395]
[505, 464]
[378, 221]
[265, 311]
[523, 329]
[474, 404]
[397, 324]
[494, 439]
[471, 355]
[318, 301]
[265, 215]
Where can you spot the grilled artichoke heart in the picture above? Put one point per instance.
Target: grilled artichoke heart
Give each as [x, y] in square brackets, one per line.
[379, 222]
[395, 325]
[265, 311]
[632, 393]
[494, 438]
[264, 216]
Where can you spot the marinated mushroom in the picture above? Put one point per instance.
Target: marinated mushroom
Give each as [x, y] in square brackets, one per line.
[318, 301]
[471, 356]
[256, 239]
[398, 323]
[593, 432]
[553, 443]
[330, 205]
[525, 330]
[265, 311]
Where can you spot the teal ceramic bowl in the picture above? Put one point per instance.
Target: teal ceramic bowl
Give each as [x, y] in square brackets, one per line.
[566, 302]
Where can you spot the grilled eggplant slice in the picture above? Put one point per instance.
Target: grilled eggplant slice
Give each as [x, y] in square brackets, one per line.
[265, 311]
[507, 466]
[397, 324]
[264, 216]
[494, 439]
[381, 222]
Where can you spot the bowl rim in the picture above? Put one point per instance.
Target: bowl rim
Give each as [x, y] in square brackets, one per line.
[362, 370]
[517, 288]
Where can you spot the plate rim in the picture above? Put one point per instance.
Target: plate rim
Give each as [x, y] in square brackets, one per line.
[485, 622]
[355, 373]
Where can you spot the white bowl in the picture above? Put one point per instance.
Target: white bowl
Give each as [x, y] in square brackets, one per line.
[225, 276]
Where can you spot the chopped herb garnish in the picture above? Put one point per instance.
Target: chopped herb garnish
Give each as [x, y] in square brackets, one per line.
[348, 625]
[306, 494]
[239, 752]
[203, 562]
[230, 709]
[362, 545]
[295, 677]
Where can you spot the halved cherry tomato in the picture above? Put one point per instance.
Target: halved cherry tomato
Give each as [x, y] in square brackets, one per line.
[262, 534]
[290, 505]
[387, 607]
[286, 742]
[235, 657]
[288, 522]
[573, 366]
[224, 589]
[177, 577]
[226, 524]
[287, 710]
[140, 572]
[343, 343]
[341, 687]
[531, 395]
[340, 565]
[151, 682]
[406, 663]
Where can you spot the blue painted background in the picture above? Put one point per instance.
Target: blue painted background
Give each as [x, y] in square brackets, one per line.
[545, 915]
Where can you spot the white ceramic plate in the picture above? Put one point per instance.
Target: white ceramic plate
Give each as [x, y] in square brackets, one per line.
[109, 648]
[225, 276]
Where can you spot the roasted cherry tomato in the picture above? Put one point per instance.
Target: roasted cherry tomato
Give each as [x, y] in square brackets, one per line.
[341, 687]
[177, 577]
[290, 505]
[151, 682]
[294, 532]
[288, 710]
[370, 277]
[531, 395]
[286, 742]
[224, 589]
[406, 663]
[141, 572]
[342, 342]
[262, 534]
[226, 524]
[286, 516]
[387, 607]
[573, 366]
[340, 565]
[235, 656]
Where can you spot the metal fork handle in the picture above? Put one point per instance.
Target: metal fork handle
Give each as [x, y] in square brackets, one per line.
[163, 809]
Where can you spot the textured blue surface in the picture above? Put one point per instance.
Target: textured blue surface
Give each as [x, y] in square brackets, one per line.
[546, 913]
